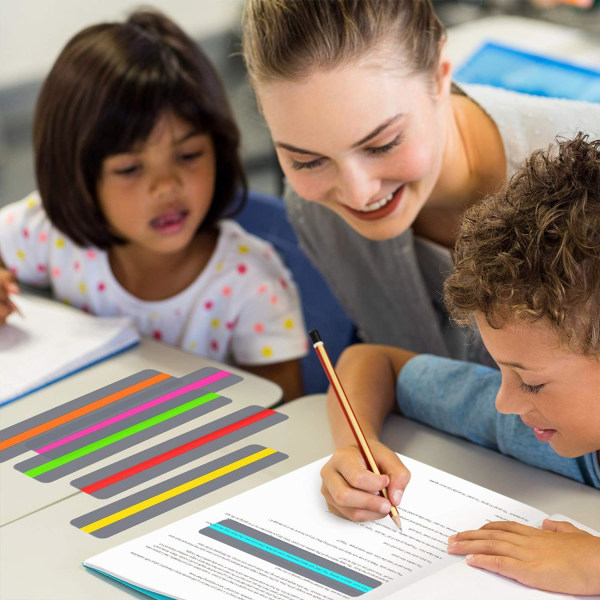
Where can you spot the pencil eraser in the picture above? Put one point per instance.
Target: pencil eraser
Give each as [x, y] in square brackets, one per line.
[314, 336]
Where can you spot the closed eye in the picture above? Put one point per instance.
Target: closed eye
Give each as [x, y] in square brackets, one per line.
[190, 156]
[386, 147]
[531, 389]
[298, 165]
[131, 170]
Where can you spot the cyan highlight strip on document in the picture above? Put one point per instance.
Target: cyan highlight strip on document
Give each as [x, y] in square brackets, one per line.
[293, 558]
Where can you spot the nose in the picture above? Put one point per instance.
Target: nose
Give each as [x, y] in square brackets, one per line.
[357, 185]
[511, 401]
[165, 183]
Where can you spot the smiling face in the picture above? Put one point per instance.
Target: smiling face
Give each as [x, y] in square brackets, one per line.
[365, 140]
[158, 194]
[555, 391]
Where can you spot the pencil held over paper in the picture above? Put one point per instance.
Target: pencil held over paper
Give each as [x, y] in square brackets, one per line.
[350, 416]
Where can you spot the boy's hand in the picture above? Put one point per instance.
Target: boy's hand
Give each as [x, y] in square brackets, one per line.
[350, 488]
[557, 558]
[8, 285]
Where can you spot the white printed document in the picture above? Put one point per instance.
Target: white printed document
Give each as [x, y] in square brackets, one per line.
[51, 340]
[278, 542]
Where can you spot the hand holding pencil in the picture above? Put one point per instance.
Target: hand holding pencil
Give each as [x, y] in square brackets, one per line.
[359, 472]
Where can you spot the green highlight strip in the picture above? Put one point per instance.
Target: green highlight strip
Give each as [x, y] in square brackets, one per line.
[119, 435]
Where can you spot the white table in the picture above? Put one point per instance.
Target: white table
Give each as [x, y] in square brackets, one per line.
[41, 553]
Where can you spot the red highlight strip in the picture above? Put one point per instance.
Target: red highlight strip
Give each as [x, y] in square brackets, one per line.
[83, 410]
[156, 460]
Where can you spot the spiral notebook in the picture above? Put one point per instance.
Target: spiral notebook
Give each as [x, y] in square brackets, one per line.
[51, 340]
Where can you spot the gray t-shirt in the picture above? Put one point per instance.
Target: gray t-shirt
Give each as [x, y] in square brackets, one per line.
[392, 289]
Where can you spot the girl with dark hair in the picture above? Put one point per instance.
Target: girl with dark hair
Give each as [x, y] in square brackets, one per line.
[137, 164]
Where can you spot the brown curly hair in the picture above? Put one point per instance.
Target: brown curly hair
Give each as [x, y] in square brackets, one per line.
[532, 251]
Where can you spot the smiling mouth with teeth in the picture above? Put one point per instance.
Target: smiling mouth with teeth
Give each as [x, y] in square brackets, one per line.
[378, 203]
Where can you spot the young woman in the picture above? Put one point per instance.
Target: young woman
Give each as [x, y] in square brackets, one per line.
[383, 153]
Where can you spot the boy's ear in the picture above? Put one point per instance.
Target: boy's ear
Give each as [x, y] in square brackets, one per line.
[443, 74]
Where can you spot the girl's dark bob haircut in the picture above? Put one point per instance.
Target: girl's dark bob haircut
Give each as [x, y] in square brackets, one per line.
[106, 91]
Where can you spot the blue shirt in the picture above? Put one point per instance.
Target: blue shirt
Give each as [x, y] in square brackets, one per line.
[459, 397]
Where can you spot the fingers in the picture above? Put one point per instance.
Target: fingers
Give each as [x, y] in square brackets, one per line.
[399, 475]
[492, 544]
[501, 538]
[352, 491]
[503, 565]
[559, 526]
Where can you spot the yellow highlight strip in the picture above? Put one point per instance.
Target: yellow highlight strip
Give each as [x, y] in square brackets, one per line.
[180, 489]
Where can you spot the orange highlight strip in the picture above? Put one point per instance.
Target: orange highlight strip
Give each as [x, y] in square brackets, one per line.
[83, 410]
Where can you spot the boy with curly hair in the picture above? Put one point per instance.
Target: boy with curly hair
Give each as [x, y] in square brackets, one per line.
[527, 271]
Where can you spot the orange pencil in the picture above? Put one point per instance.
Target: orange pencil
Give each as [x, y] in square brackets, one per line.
[359, 436]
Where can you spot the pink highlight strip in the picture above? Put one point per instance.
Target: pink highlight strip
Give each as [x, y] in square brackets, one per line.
[188, 388]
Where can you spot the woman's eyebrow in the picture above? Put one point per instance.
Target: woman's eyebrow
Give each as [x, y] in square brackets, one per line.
[294, 148]
[360, 142]
[378, 130]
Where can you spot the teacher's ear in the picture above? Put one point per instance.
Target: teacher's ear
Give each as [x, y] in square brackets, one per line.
[442, 78]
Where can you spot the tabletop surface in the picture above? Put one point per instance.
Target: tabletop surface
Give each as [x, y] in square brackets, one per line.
[46, 543]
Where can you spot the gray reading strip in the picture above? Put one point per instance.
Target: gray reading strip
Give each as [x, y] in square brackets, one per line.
[11, 447]
[44, 469]
[166, 495]
[293, 558]
[88, 422]
[162, 458]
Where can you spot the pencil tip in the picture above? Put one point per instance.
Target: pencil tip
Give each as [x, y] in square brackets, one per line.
[396, 520]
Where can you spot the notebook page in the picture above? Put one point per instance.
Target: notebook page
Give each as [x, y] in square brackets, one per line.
[51, 340]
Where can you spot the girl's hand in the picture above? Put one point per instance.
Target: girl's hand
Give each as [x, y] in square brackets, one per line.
[8, 285]
[350, 488]
[557, 558]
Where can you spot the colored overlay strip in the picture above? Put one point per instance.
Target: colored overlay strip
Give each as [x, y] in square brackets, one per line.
[164, 496]
[150, 463]
[138, 409]
[123, 405]
[12, 438]
[115, 437]
[293, 558]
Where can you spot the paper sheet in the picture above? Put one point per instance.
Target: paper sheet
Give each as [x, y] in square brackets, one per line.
[51, 340]
[278, 542]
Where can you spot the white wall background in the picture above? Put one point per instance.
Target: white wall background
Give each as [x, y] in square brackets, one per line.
[32, 32]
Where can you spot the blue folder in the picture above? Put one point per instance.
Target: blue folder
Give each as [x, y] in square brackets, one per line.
[522, 71]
